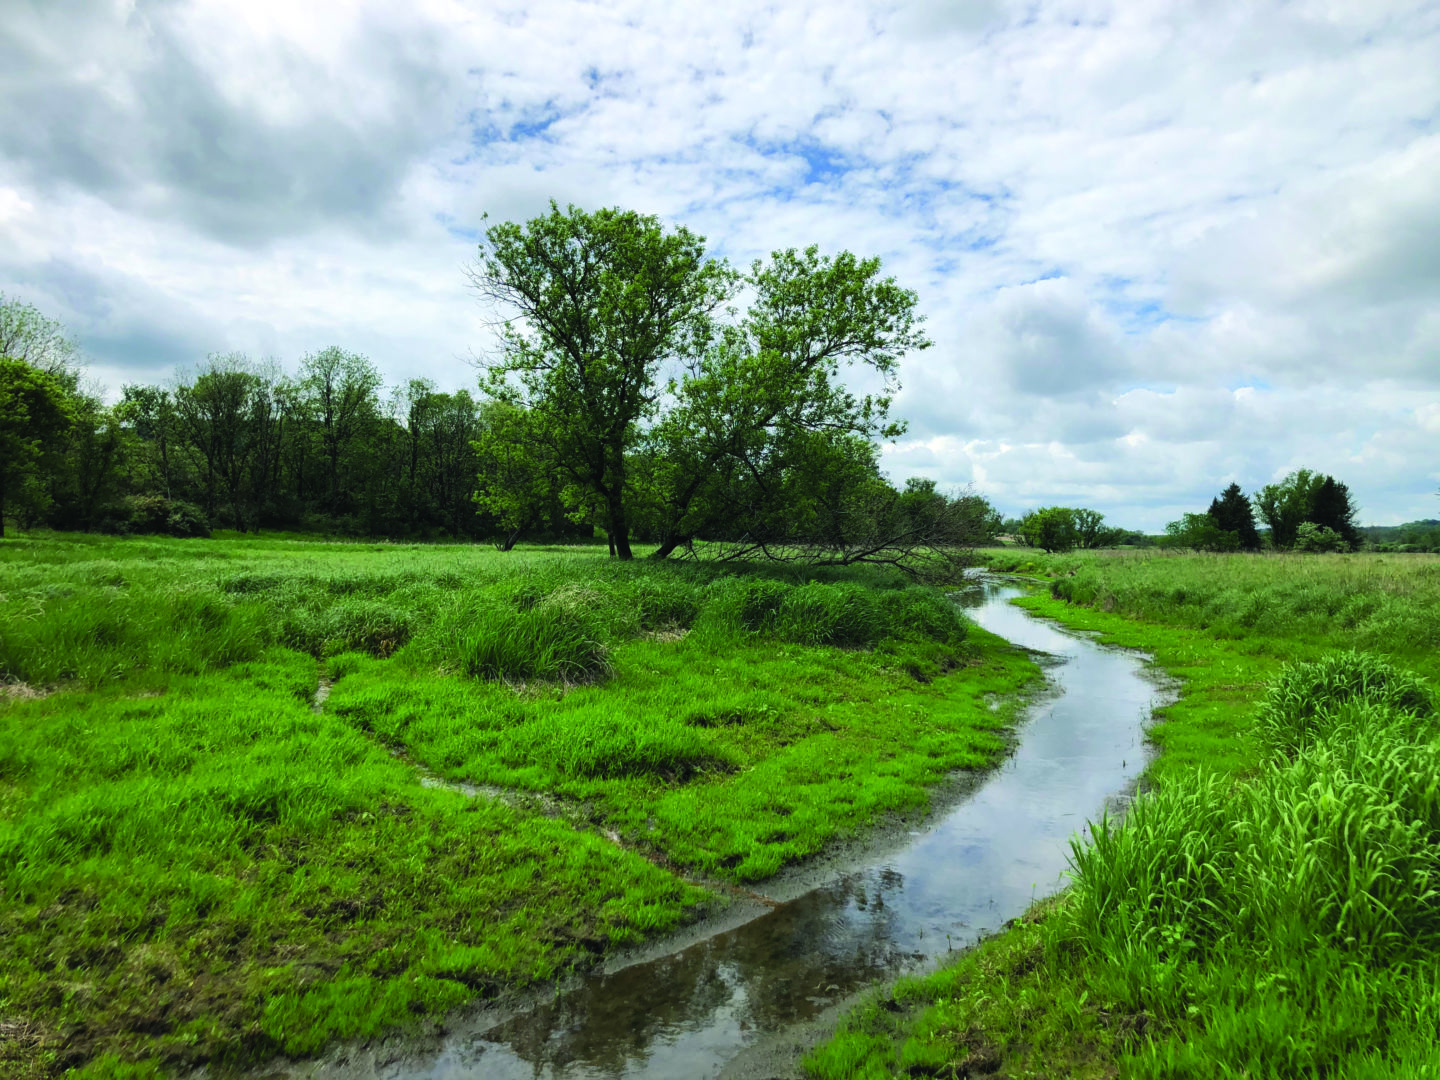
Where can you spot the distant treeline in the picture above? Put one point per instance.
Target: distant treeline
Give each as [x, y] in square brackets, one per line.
[768, 459]
[1412, 536]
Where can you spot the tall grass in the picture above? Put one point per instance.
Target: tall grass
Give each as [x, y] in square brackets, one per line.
[489, 641]
[1376, 603]
[1288, 924]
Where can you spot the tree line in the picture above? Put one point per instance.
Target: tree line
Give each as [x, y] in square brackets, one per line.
[1306, 511]
[236, 443]
[642, 387]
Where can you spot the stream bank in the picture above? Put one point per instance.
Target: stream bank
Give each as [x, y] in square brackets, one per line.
[749, 999]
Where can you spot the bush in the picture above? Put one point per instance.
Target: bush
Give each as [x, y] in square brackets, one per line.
[149, 514]
[1302, 703]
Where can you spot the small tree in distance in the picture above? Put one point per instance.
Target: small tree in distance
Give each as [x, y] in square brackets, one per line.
[35, 414]
[1199, 532]
[1052, 528]
[1232, 512]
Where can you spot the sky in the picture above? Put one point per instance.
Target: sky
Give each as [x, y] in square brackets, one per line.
[1160, 246]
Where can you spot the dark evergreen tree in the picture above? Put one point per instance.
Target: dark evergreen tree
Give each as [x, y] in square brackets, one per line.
[1233, 513]
[1330, 508]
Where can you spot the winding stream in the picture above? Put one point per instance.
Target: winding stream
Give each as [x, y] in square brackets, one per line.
[724, 1004]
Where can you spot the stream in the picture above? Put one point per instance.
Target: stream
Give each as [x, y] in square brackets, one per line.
[739, 1002]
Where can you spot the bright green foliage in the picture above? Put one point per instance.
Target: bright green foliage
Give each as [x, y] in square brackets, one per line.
[1052, 528]
[519, 477]
[1308, 700]
[197, 866]
[1318, 539]
[765, 402]
[599, 301]
[1200, 532]
[1309, 497]
[35, 414]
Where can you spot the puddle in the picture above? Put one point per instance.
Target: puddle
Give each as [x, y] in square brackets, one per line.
[722, 1001]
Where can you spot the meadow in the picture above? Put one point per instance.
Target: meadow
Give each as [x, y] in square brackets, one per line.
[1270, 905]
[261, 794]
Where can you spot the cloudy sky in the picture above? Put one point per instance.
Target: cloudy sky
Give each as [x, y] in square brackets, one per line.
[1161, 245]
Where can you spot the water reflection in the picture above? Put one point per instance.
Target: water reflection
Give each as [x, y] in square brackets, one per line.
[967, 873]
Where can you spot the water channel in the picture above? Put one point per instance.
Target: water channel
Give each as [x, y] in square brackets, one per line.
[710, 1009]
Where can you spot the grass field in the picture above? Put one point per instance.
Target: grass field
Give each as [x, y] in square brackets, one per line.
[200, 864]
[1271, 908]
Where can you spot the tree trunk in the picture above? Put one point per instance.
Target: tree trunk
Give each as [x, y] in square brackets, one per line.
[619, 528]
[669, 544]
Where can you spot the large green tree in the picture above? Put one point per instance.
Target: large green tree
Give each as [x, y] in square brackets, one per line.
[36, 415]
[773, 377]
[28, 335]
[1285, 505]
[1307, 496]
[1331, 508]
[593, 305]
[1052, 528]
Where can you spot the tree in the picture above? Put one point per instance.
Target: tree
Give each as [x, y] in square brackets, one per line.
[229, 419]
[150, 412]
[1306, 496]
[1199, 532]
[1052, 528]
[35, 416]
[517, 477]
[1285, 506]
[39, 341]
[1231, 511]
[1330, 508]
[598, 302]
[772, 377]
[343, 388]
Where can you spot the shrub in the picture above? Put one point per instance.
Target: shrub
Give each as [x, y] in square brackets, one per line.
[154, 514]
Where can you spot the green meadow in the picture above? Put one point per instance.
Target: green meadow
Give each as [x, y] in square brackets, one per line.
[261, 794]
[1270, 904]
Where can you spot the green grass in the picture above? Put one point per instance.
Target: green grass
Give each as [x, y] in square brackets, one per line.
[1271, 908]
[199, 868]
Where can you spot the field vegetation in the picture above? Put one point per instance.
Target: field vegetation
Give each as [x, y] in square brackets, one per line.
[201, 863]
[1270, 906]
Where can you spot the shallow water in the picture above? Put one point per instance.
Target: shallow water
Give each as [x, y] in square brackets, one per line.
[966, 873]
